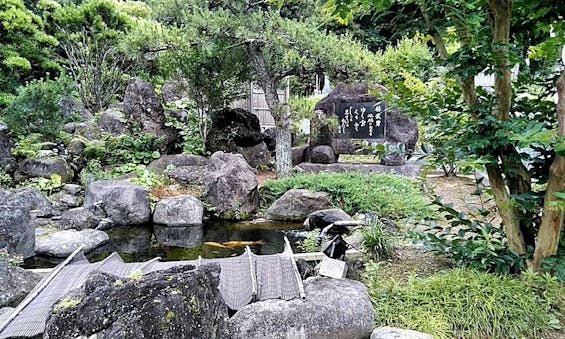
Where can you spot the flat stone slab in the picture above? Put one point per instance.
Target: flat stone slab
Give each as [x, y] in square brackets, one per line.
[61, 244]
[397, 333]
[410, 170]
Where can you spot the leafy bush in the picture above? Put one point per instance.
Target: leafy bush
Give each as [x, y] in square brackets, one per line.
[555, 265]
[312, 242]
[136, 149]
[467, 304]
[37, 108]
[49, 186]
[377, 241]
[11, 258]
[390, 196]
[192, 130]
[471, 243]
[137, 174]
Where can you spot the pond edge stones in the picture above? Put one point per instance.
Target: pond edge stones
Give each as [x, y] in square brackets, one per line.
[178, 221]
[297, 204]
[121, 202]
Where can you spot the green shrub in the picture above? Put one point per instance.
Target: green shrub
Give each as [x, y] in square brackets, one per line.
[377, 241]
[311, 243]
[37, 108]
[390, 196]
[470, 242]
[192, 130]
[467, 304]
[124, 149]
[49, 186]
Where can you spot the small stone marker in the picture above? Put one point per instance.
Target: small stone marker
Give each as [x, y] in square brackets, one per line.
[333, 268]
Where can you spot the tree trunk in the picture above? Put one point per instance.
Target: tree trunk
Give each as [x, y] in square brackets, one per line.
[507, 212]
[501, 11]
[279, 111]
[549, 233]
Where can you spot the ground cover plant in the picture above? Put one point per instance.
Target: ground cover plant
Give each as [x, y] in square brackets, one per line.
[389, 196]
[469, 304]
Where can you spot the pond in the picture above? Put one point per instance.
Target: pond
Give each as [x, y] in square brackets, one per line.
[219, 240]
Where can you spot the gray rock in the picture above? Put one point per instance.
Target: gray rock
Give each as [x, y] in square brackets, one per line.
[229, 183]
[61, 244]
[270, 138]
[181, 302]
[231, 186]
[298, 154]
[183, 210]
[323, 154]
[66, 199]
[7, 160]
[255, 156]
[176, 160]
[73, 189]
[76, 147]
[393, 160]
[410, 171]
[113, 122]
[71, 108]
[17, 234]
[43, 168]
[122, 202]
[29, 198]
[143, 111]
[85, 129]
[15, 283]
[175, 90]
[297, 204]
[333, 308]
[186, 237]
[401, 129]
[322, 218]
[78, 218]
[397, 333]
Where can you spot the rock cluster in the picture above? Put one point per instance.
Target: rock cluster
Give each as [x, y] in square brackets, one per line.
[181, 302]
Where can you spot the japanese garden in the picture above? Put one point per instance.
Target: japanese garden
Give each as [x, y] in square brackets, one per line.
[282, 169]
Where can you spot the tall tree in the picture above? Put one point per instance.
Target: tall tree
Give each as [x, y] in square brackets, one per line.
[275, 47]
[494, 35]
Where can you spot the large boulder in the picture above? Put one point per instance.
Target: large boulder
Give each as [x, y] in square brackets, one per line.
[398, 333]
[176, 160]
[61, 244]
[257, 155]
[44, 168]
[228, 182]
[398, 128]
[15, 283]
[238, 131]
[297, 204]
[17, 234]
[113, 122]
[7, 160]
[144, 112]
[28, 198]
[231, 186]
[180, 211]
[181, 302]
[333, 308]
[121, 202]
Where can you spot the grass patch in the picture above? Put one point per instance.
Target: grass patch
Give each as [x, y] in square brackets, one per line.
[468, 304]
[390, 196]
[377, 241]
